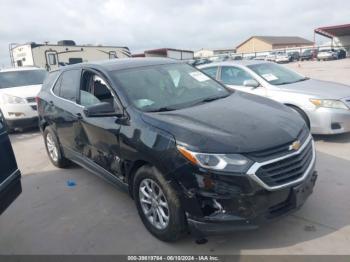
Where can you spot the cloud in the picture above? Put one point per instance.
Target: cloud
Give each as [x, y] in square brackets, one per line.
[162, 23]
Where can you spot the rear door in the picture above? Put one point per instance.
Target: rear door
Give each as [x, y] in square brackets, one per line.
[64, 110]
[10, 186]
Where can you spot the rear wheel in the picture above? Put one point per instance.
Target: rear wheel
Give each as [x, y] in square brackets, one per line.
[158, 205]
[53, 149]
[302, 114]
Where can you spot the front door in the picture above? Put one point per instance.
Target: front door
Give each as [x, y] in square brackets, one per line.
[99, 140]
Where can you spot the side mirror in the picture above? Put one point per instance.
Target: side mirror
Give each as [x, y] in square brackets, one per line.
[101, 110]
[251, 83]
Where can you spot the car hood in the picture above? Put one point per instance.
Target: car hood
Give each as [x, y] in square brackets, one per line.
[318, 88]
[240, 123]
[22, 91]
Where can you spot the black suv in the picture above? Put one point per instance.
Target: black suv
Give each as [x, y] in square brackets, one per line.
[192, 154]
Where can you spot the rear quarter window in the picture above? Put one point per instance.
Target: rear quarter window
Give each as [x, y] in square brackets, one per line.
[70, 83]
[50, 80]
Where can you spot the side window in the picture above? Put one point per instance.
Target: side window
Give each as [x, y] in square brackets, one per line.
[70, 84]
[56, 89]
[210, 71]
[94, 90]
[75, 60]
[234, 76]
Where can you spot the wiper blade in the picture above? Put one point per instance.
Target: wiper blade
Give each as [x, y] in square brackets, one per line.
[209, 99]
[299, 80]
[303, 79]
[162, 109]
[284, 83]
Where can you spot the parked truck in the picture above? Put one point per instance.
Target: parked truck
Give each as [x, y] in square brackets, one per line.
[65, 52]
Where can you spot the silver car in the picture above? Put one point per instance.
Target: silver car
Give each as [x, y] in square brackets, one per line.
[325, 106]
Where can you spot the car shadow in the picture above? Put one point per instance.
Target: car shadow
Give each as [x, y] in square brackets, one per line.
[28, 130]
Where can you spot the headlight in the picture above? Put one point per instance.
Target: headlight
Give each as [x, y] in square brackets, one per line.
[8, 99]
[223, 162]
[329, 103]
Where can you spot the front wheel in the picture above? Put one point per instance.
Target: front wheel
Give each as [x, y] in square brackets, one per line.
[158, 205]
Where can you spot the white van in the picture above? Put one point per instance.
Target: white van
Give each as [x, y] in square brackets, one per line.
[18, 89]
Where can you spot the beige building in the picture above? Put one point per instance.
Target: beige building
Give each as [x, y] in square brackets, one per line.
[267, 43]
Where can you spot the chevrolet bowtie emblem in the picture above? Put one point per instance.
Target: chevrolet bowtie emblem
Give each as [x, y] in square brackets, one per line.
[295, 146]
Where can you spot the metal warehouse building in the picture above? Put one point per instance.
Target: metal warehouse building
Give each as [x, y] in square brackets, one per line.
[339, 34]
[266, 43]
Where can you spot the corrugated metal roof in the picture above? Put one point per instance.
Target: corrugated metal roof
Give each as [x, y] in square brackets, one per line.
[281, 40]
[284, 40]
[332, 31]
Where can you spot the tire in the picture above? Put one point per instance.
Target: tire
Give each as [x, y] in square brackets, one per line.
[302, 114]
[53, 149]
[175, 226]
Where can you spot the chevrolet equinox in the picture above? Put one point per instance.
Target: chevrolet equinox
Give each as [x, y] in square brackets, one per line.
[193, 155]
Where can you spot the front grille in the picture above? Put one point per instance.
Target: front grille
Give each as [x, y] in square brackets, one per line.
[30, 99]
[278, 151]
[286, 170]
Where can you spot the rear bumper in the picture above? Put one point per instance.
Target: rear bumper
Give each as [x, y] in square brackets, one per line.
[257, 213]
[22, 122]
[10, 189]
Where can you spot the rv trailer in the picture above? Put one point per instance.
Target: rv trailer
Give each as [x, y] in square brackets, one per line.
[66, 52]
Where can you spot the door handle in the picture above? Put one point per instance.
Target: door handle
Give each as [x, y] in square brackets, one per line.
[51, 103]
[79, 116]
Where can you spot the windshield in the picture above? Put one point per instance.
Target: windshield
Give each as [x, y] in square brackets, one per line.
[276, 74]
[22, 78]
[168, 87]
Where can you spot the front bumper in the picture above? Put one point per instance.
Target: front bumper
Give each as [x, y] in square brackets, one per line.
[20, 115]
[22, 122]
[326, 57]
[327, 121]
[218, 202]
[282, 60]
[252, 211]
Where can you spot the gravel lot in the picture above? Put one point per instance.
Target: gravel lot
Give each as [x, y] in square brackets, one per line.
[96, 218]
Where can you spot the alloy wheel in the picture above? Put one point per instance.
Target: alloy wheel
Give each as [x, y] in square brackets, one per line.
[51, 147]
[154, 203]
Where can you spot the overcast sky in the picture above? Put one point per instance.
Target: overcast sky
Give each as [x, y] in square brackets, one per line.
[162, 23]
